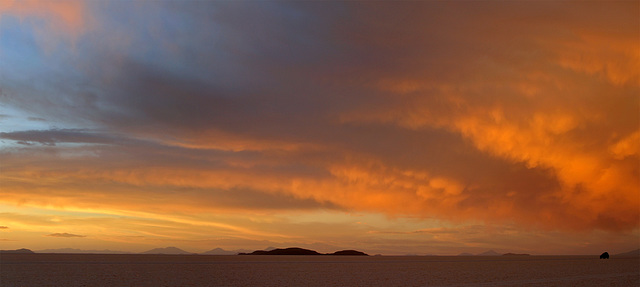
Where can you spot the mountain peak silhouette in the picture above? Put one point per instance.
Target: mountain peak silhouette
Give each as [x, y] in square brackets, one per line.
[166, 250]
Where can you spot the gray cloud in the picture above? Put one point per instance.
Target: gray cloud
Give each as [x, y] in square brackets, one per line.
[51, 137]
[36, 119]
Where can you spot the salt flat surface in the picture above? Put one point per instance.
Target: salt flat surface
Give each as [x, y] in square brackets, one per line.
[212, 270]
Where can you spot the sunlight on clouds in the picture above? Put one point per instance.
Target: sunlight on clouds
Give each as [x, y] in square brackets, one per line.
[110, 225]
[614, 58]
[629, 146]
[418, 132]
[374, 186]
[541, 116]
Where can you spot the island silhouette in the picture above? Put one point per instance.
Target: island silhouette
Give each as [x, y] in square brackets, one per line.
[302, 251]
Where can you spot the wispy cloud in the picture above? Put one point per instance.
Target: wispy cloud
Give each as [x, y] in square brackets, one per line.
[67, 235]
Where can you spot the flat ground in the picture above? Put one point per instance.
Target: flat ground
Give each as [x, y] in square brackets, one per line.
[210, 270]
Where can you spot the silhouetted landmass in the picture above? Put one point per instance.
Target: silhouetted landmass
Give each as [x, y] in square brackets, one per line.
[516, 254]
[167, 250]
[285, 251]
[604, 255]
[349, 252]
[301, 251]
[21, 251]
[632, 253]
[465, 254]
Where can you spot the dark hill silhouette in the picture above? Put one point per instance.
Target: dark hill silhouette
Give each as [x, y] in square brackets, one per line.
[604, 255]
[349, 252]
[285, 251]
[301, 251]
[20, 251]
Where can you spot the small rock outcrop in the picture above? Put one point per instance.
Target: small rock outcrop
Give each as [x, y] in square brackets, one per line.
[604, 255]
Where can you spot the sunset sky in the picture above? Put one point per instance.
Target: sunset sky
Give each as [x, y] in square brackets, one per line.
[388, 127]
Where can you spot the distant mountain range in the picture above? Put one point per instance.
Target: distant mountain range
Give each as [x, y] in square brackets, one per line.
[167, 250]
[21, 251]
[77, 251]
[220, 251]
[216, 251]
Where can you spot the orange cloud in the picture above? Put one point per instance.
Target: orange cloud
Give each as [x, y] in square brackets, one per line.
[568, 103]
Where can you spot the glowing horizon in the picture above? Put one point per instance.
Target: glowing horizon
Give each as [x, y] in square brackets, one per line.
[393, 128]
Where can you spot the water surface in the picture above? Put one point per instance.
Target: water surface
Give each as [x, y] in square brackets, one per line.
[212, 270]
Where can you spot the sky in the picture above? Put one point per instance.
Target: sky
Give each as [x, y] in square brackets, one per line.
[417, 127]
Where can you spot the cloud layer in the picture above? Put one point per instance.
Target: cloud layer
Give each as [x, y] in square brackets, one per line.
[506, 114]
